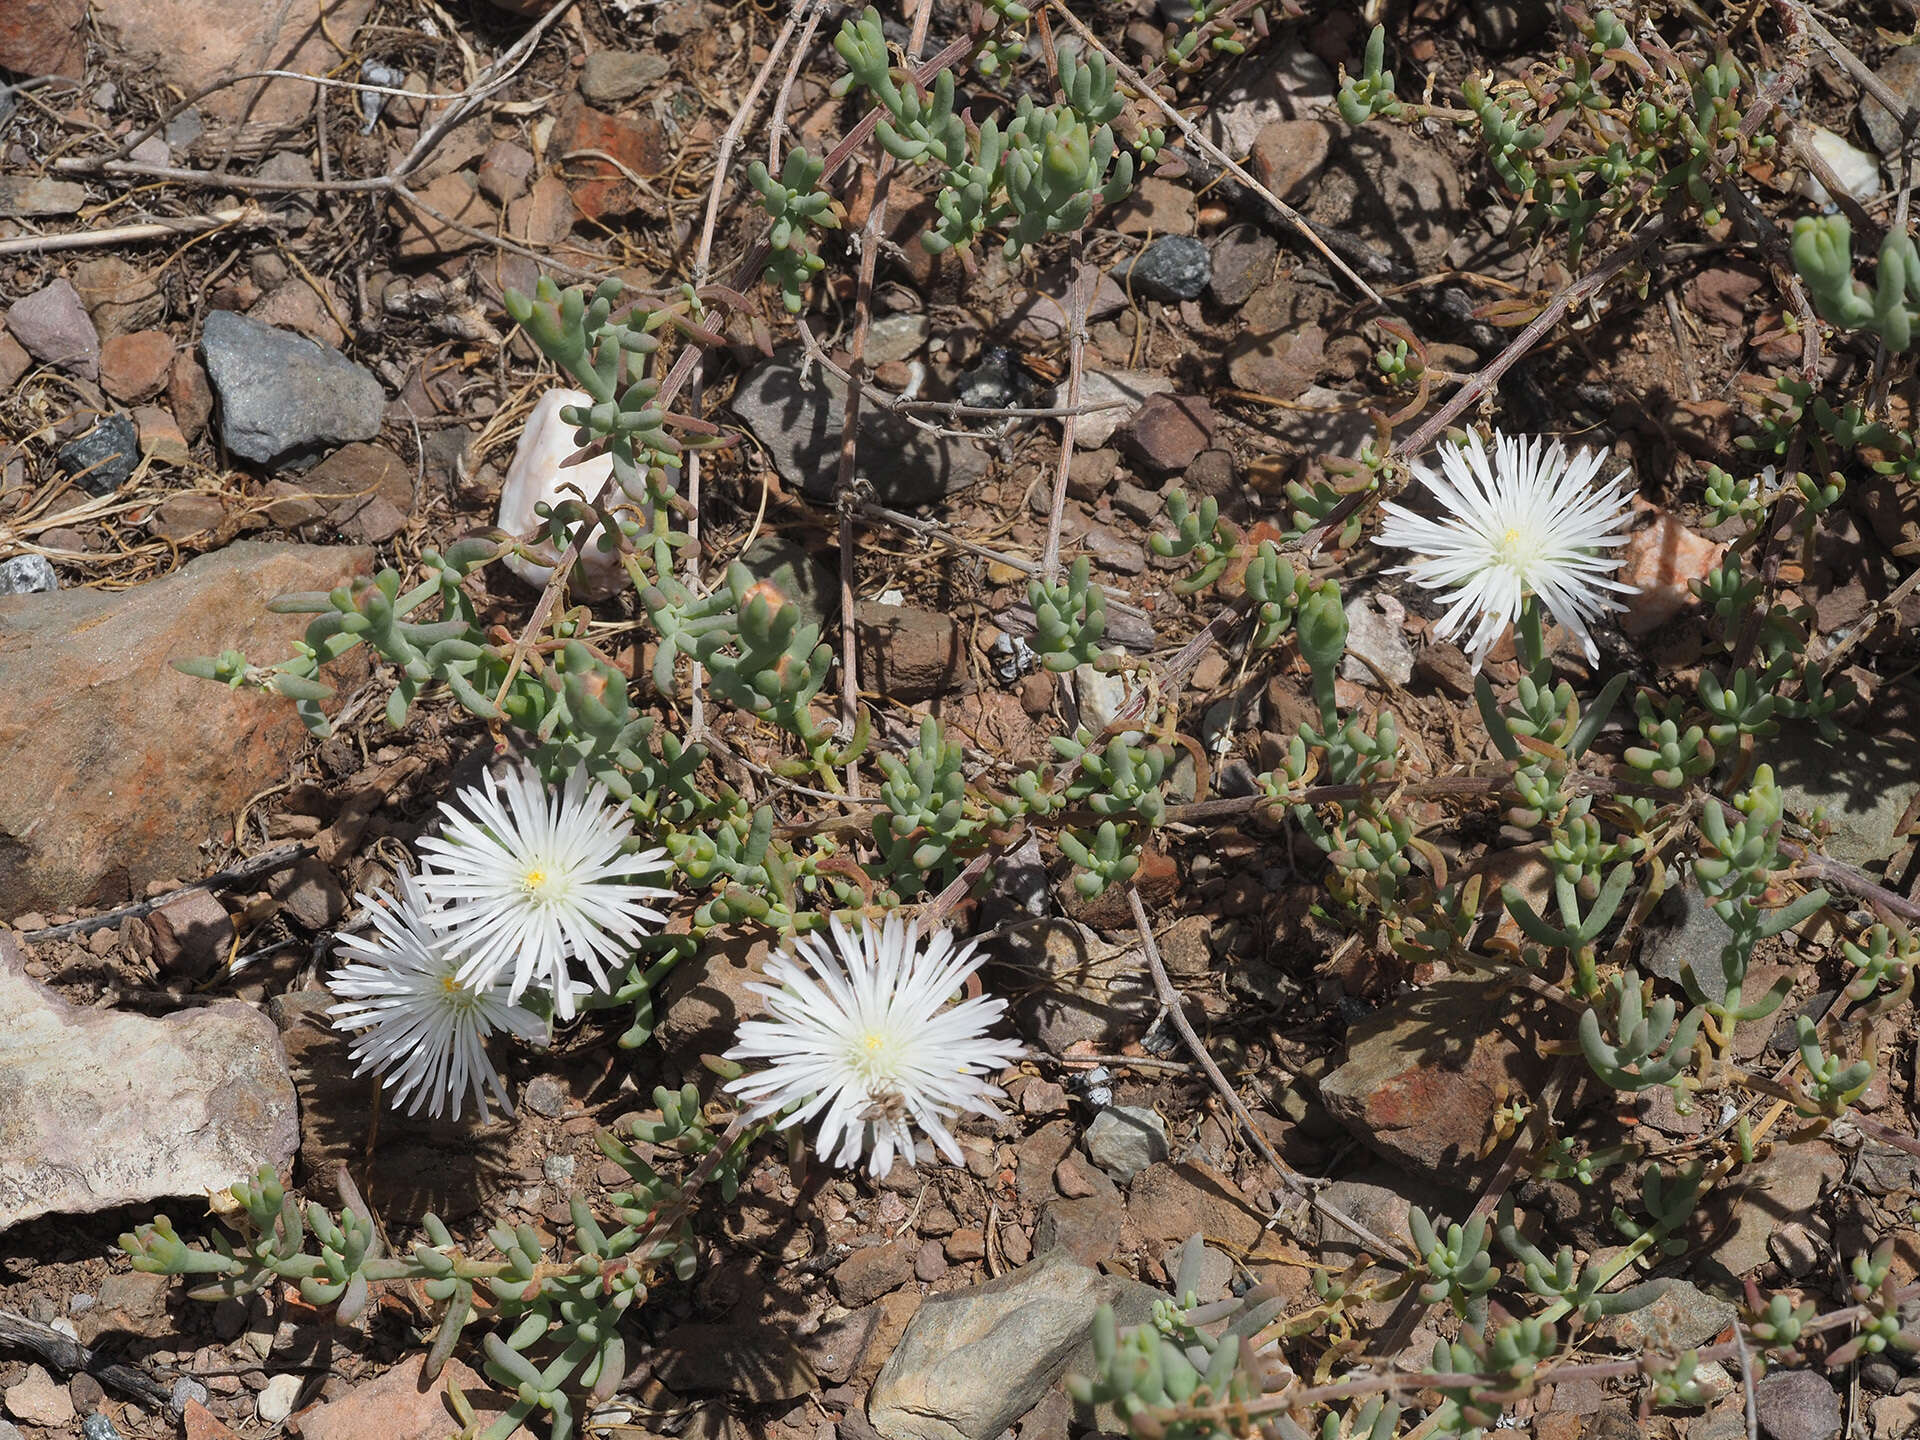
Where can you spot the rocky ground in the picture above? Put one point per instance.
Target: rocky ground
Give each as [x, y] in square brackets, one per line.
[269, 390]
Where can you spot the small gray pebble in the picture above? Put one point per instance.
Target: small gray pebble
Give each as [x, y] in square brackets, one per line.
[98, 1427]
[79, 1304]
[103, 459]
[559, 1168]
[186, 1390]
[546, 1095]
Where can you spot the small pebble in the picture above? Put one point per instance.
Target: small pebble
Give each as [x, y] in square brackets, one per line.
[559, 1168]
[546, 1095]
[276, 1401]
[98, 1427]
[186, 1391]
[1174, 267]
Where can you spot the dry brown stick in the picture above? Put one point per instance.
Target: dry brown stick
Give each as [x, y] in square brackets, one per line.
[68, 1355]
[267, 862]
[1298, 1184]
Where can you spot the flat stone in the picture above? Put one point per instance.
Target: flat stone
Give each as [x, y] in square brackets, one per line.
[871, 1271]
[1082, 988]
[1684, 1316]
[189, 395]
[1797, 1405]
[105, 457]
[276, 1401]
[973, 1361]
[1174, 267]
[402, 1404]
[296, 305]
[424, 236]
[27, 575]
[119, 768]
[1085, 1227]
[14, 362]
[1167, 432]
[896, 337]
[161, 438]
[505, 170]
[111, 1108]
[38, 1399]
[1156, 207]
[191, 44]
[796, 573]
[120, 297]
[1243, 257]
[192, 934]
[285, 401]
[612, 76]
[1123, 1140]
[798, 422]
[53, 325]
[636, 141]
[310, 894]
[1901, 75]
[1663, 558]
[1289, 153]
[908, 653]
[1122, 391]
[1377, 631]
[706, 998]
[24, 196]
[1862, 783]
[1424, 1074]
[135, 367]
[43, 37]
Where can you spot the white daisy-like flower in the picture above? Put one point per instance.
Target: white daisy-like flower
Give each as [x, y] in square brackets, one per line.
[420, 1025]
[1528, 520]
[530, 878]
[863, 1036]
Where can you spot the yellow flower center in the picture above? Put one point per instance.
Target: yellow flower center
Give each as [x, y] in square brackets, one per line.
[874, 1042]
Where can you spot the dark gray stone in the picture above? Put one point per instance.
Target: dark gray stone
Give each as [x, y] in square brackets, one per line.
[996, 382]
[1684, 930]
[103, 459]
[1174, 267]
[27, 575]
[798, 422]
[284, 400]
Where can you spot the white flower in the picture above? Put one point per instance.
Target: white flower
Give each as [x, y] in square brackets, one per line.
[862, 1035]
[420, 1025]
[530, 878]
[1531, 521]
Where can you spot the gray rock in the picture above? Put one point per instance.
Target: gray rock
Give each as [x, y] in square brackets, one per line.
[108, 1108]
[1685, 1316]
[973, 1361]
[895, 337]
[98, 1427]
[53, 326]
[103, 459]
[284, 400]
[1901, 75]
[1796, 1405]
[186, 1390]
[1078, 987]
[798, 422]
[809, 583]
[1864, 784]
[546, 1095]
[1377, 631]
[1684, 930]
[611, 76]
[1174, 267]
[27, 575]
[1125, 1139]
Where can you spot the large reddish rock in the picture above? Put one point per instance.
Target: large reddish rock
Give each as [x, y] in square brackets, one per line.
[910, 654]
[42, 37]
[402, 1404]
[635, 142]
[1424, 1074]
[119, 768]
[191, 44]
